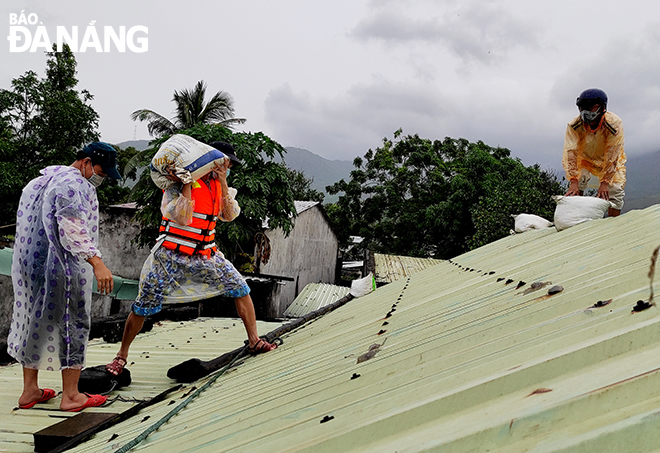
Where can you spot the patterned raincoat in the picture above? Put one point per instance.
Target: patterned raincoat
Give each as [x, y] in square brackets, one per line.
[56, 232]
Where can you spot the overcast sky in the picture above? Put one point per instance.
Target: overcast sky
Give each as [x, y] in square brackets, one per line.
[335, 77]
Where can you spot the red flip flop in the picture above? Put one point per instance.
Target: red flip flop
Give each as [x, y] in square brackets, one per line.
[46, 394]
[92, 401]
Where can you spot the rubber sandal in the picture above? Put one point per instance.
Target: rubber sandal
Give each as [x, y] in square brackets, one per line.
[116, 366]
[261, 347]
[92, 401]
[46, 394]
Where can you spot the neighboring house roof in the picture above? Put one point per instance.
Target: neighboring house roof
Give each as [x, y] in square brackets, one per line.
[315, 296]
[390, 268]
[467, 355]
[124, 288]
[301, 206]
[5, 261]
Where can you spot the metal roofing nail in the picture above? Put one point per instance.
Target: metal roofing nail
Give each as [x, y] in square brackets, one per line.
[601, 303]
[555, 289]
[641, 306]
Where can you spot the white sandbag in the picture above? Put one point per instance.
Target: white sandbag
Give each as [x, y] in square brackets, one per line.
[571, 211]
[187, 157]
[525, 222]
[363, 286]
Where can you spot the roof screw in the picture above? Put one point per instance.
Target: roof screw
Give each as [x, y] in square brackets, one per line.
[555, 289]
[641, 306]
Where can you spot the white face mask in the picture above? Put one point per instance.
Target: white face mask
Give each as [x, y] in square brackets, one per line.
[95, 179]
[589, 116]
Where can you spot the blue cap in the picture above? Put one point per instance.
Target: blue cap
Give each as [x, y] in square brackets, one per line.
[104, 155]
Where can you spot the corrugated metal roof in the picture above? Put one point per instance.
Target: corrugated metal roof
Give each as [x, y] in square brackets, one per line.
[459, 357]
[301, 206]
[152, 354]
[314, 296]
[5, 260]
[390, 268]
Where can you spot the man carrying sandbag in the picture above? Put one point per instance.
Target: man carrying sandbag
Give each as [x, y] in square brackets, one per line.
[185, 264]
[594, 146]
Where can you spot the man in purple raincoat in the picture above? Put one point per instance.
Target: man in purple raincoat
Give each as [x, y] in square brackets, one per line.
[55, 258]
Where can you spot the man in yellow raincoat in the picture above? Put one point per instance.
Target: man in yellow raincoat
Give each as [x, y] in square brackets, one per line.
[594, 146]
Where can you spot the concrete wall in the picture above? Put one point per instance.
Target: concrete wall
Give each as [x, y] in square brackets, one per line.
[6, 307]
[116, 231]
[308, 255]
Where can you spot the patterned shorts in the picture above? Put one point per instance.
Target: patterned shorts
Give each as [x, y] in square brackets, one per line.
[170, 277]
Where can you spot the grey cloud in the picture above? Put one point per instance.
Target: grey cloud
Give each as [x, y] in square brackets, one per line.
[349, 124]
[471, 31]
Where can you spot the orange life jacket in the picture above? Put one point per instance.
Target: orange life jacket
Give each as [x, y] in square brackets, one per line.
[198, 238]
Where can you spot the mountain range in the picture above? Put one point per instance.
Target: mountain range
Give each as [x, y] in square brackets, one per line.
[642, 187]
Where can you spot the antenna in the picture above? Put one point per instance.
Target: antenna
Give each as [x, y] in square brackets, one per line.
[135, 133]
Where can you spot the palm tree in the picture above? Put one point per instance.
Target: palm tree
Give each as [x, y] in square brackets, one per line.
[191, 110]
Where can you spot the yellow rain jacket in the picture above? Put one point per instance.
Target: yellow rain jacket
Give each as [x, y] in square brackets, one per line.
[598, 151]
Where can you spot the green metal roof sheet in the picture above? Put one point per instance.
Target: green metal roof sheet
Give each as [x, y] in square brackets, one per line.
[314, 296]
[390, 268]
[152, 354]
[5, 260]
[459, 357]
[123, 288]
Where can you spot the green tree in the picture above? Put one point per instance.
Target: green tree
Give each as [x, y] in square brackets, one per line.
[114, 191]
[191, 109]
[262, 185]
[433, 198]
[301, 186]
[43, 121]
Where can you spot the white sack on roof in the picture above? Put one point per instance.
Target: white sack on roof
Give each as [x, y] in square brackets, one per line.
[524, 222]
[571, 211]
[187, 157]
[363, 286]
